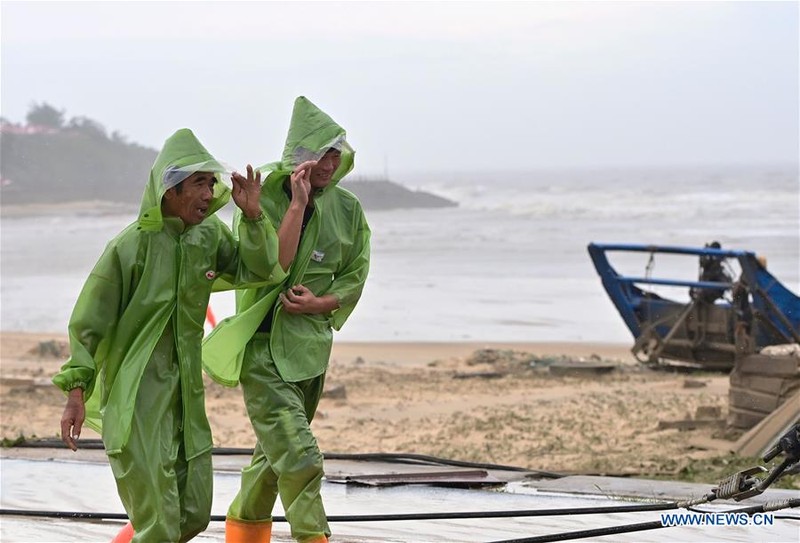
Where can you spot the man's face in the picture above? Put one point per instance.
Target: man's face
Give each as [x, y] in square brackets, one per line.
[321, 173]
[191, 198]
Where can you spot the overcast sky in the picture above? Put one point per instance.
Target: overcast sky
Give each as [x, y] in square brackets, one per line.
[424, 86]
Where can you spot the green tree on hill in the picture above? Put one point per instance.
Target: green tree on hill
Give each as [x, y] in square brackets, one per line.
[45, 115]
[70, 161]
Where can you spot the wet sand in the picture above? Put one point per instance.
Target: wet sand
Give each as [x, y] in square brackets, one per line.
[453, 400]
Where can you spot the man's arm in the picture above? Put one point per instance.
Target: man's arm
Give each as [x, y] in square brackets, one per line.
[344, 292]
[292, 221]
[93, 320]
[350, 279]
[250, 258]
[259, 255]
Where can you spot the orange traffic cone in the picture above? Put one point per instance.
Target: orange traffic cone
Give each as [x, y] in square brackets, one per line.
[125, 535]
[212, 320]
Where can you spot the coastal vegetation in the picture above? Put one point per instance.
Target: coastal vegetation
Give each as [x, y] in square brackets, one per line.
[51, 159]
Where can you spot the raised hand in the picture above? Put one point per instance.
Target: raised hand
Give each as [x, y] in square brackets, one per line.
[300, 181]
[246, 191]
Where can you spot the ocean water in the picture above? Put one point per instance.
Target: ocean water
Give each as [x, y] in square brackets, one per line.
[508, 264]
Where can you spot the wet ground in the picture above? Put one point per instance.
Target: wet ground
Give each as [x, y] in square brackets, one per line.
[56, 480]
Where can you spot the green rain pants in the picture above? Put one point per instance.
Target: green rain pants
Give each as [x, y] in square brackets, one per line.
[167, 498]
[286, 460]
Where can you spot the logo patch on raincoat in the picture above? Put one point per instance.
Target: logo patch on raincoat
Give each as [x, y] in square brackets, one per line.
[317, 256]
[210, 275]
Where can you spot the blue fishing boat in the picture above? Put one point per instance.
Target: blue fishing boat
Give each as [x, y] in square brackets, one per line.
[734, 306]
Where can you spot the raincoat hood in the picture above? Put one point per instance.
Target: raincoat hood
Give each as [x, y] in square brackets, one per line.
[311, 133]
[181, 156]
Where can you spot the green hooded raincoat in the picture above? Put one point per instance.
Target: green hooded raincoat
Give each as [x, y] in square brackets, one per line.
[332, 258]
[282, 372]
[157, 273]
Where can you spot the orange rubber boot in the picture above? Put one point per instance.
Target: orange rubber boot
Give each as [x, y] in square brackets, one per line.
[243, 531]
[125, 535]
[317, 539]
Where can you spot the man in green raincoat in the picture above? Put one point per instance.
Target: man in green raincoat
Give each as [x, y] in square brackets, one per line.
[279, 342]
[135, 372]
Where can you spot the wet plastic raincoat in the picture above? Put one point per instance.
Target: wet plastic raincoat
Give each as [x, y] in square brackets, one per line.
[154, 270]
[332, 258]
[282, 372]
[137, 328]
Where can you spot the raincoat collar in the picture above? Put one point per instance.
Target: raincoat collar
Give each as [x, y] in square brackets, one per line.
[182, 150]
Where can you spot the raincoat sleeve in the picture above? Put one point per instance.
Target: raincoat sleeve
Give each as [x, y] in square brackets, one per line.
[250, 258]
[349, 282]
[92, 324]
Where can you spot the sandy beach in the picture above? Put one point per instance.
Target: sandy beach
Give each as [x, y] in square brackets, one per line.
[498, 403]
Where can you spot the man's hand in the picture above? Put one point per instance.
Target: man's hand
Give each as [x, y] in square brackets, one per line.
[300, 183]
[246, 191]
[73, 417]
[299, 299]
